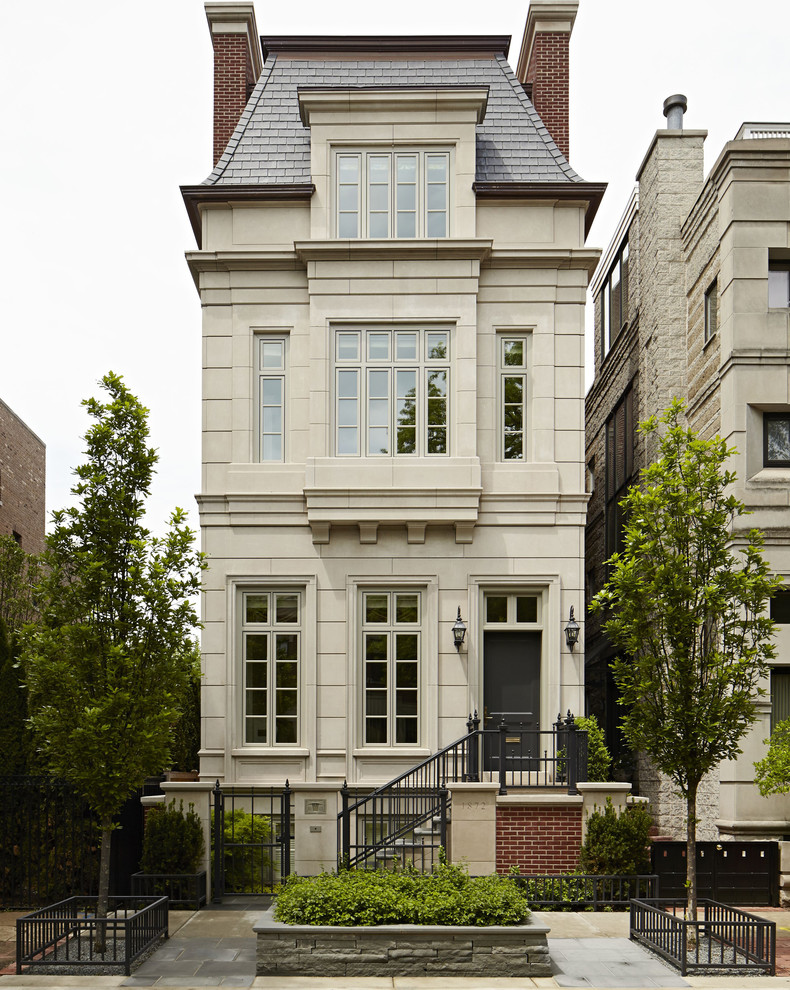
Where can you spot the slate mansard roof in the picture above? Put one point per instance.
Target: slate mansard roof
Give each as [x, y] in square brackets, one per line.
[271, 145]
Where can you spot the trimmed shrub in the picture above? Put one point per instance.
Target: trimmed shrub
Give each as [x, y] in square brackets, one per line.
[599, 759]
[173, 841]
[617, 844]
[447, 896]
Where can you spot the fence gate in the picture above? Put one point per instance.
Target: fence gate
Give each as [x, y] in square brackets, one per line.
[251, 839]
[742, 874]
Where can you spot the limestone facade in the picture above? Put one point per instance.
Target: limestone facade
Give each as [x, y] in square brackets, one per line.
[327, 559]
[700, 326]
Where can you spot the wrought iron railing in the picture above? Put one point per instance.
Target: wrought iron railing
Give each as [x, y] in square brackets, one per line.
[590, 891]
[251, 839]
[405, 820]
[724, 939]
[69, 934]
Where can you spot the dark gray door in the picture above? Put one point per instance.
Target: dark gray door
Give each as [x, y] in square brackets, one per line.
[511, 690]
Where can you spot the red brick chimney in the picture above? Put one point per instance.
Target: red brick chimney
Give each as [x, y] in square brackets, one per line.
[237, 65]
[543, 63]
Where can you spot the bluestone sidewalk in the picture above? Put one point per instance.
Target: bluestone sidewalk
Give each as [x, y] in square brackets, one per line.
[216, 948]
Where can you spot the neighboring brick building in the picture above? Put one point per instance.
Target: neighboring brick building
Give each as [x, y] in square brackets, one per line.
[22, 482]
[691, 300]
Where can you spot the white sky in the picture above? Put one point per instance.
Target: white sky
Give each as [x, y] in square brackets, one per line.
[107, 110]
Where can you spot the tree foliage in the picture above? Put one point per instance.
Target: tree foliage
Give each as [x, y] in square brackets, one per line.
[15, 739]
[19, 573]
[772, 772]
[599, 759]
[685, 604]
[113, 649]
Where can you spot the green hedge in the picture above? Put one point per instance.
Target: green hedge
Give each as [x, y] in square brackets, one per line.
[173, 840]
[447, 896]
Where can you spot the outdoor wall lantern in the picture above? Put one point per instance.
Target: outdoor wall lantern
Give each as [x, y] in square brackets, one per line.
[571, 631]
[459, 631]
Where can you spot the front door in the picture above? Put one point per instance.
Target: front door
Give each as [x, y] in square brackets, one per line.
[511, 692]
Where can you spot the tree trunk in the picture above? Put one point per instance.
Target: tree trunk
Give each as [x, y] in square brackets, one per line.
[104, 884]
[691, 854]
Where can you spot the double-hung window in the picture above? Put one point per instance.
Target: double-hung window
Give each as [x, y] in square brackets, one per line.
[391, 392]
[619, 468]
[391, 653]
[271, 635]
[392, 193]
[271, 397]
[778, 284]
[513, 397]
[711, 310]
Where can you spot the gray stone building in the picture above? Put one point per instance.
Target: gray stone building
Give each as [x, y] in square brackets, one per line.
[691, 300]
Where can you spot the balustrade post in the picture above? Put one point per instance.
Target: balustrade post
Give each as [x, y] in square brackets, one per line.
[218, 865]
[285, 832]
[443, 796]
[502, 756]
[473, 747]
[572, 750]
[345, 829]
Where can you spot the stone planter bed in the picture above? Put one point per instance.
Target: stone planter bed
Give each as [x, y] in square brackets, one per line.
[406, 950]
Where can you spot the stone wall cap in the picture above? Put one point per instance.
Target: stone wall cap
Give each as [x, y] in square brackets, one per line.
[595, 786]
[186, 785]
[671, 134]
[472, 785]
[268, 924]
[531, 799]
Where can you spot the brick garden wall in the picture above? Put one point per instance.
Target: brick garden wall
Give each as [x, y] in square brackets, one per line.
[538, 839]
[22, 480]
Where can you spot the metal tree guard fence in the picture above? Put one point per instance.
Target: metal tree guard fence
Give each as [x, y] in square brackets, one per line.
[725, 938]
[69, 934]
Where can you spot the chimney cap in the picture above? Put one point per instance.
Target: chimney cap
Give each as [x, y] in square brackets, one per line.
[677, 100]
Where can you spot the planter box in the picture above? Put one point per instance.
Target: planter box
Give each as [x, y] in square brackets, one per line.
[185, 890]
[725, 939]
[405, 950]
[63, 936]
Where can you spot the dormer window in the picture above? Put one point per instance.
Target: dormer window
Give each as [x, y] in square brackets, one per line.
[383, 194]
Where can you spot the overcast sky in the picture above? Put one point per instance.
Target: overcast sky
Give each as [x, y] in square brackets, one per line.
[107, 110]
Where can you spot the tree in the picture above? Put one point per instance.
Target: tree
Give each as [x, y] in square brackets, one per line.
[19, 572]
[113, 649]
[685, 603]
[15, 742]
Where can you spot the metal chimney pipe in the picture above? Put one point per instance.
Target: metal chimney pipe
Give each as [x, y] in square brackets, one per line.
[674, 108]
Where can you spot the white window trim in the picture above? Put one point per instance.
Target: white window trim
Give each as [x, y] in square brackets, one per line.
[503, 371]
[364, 152]
[260, 374]
[428, 729]
[237, 586]
[364, 365]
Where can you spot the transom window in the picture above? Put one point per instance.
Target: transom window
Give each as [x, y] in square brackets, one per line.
[391, 652]
[392, 193]
[391, 392]
[271, 646]
[511, 609]
[513, 397]
[271, 397]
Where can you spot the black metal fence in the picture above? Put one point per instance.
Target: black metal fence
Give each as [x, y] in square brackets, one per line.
[183, 890]
[251, 839]
[724, 939]
[69, 934]
[580, 891]
[48, 843]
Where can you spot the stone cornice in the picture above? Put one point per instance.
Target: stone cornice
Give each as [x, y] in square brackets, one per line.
[476, 248]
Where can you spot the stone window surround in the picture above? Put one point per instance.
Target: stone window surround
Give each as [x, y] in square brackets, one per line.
[237, 586]
[431, 645]
[522, 371]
